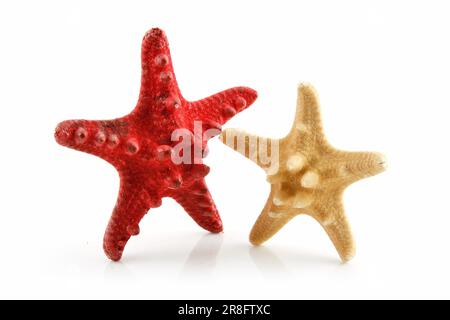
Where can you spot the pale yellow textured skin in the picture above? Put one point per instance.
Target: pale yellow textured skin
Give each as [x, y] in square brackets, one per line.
[311, 175]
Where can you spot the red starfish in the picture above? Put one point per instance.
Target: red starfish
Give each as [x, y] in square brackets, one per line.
[139, 146]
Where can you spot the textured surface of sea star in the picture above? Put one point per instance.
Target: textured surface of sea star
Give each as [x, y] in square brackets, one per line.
[307, 175]
[140, 147]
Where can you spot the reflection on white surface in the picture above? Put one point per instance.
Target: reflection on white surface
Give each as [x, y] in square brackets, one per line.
[268, 262]
[117, 269]
[163, 264]
[203, 257]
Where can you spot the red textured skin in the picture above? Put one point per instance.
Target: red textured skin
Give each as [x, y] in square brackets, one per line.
[138, 145]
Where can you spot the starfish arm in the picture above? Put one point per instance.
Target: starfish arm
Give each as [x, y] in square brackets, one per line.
[262, 151]
[270, 221]
[158, 77]
[132, 204]
[198, 203]
[328, 210]
[217, 109]
[103, 138]
[349, 167]
[307, 129]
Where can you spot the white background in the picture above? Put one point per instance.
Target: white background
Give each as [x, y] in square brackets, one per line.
[382, 70]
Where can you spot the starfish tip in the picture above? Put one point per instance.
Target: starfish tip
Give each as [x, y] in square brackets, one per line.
[255, 239]
[156, 38]
[306, 88]
[70, 132]
[382, 160]
[217, 227]
[155, 33]
[251, 94]
[346, 258]
[245, 97]
[114, 255]
[61, 132]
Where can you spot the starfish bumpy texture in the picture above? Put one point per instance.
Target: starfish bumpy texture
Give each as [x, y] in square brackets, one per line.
[139, 145]
[307, 175]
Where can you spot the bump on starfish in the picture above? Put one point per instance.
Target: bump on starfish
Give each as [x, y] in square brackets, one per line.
[140, 147]
[311, 175]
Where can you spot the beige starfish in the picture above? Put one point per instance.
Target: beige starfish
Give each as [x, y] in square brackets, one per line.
[307, 175]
